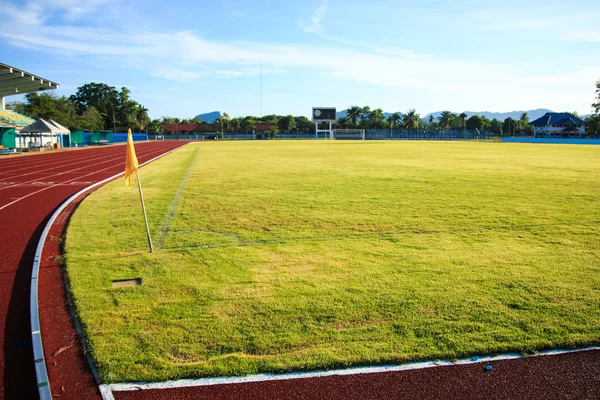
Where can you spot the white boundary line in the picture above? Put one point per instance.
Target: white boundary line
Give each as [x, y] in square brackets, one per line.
[107, 389]
[34, 315]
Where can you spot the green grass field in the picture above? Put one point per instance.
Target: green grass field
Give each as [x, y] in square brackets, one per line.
[283, 255]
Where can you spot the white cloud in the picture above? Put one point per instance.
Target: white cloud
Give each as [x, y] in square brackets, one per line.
[522, 24]
[315, 25]
[573, 26]
[235, 73]
[29, 15]
[73, 9]
[184, 56]
[175, 74]
[591, 35]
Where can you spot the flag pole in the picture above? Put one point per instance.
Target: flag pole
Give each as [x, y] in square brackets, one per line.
[144, 210]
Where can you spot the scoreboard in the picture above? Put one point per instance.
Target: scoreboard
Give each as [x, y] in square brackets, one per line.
[323, 114]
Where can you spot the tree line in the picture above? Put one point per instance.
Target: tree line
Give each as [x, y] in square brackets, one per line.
[365, 118]
[94, 107]
[97, 106]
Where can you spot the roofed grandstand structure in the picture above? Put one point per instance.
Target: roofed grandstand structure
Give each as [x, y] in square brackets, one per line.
[14, 119]
[14, 81]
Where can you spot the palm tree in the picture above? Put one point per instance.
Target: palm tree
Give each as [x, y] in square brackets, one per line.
[342, 122]
[247, 124]
[394, 120]
[462, 117]
[411, 119]
[235, 124]
[142, 117]
[445, 119]
[354, 113]
[377, 118]
[226, 121]
[220, 122]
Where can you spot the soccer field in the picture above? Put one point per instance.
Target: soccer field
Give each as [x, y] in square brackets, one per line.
[298, 255]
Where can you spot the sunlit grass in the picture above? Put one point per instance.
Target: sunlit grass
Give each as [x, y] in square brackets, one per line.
[308, 255]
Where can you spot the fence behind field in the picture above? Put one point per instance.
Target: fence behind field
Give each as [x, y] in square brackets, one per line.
[414, 134]
[550, 140]
[122, 137]
[370, 134]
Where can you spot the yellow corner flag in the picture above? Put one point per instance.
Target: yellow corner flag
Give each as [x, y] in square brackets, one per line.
[131, 162]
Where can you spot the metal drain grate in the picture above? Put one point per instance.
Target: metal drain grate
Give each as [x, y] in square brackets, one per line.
[127, 282]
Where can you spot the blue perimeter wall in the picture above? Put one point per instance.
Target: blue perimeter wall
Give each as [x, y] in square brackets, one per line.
[122, 137]
[551, 141]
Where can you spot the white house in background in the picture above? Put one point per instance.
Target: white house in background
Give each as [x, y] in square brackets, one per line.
[558, 125]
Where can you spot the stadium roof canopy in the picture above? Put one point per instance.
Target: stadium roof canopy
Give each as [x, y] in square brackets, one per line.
[14, 81]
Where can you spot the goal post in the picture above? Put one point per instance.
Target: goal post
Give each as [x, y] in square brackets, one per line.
[348, 134]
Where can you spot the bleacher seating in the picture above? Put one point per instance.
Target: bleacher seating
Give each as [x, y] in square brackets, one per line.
[15, 119]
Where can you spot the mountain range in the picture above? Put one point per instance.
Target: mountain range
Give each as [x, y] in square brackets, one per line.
[501, 116]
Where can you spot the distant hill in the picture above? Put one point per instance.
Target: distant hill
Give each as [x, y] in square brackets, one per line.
[343, 113]
[209, 117]
[533, 114]
[501, 116]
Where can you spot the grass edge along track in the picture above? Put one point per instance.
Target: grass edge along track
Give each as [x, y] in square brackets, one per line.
[308, 255]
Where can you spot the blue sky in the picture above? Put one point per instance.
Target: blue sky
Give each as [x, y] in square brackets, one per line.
[181, 58]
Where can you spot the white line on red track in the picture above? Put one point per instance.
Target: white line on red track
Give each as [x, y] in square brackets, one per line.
[65, 163]
[118, 157]
[105, 158]
[45, 159]
[107, 389]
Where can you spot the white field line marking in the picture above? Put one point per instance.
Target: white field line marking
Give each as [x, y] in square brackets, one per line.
[58, 184]
[106, 393]
[34, 313]
[105, 158]
[182, 383]
[163, 232]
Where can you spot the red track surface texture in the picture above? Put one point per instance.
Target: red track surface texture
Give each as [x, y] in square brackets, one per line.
[565, 376]
[31, 188]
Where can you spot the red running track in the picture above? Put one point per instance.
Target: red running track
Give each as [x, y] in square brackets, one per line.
[31, 188]
[564, 376]
[41, 183]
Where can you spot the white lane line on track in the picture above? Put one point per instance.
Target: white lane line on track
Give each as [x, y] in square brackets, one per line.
[48, 159]
[97, 153]
[105, 160]
[184, 383]
[41, 372]
[42, 159]
[50, 187]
